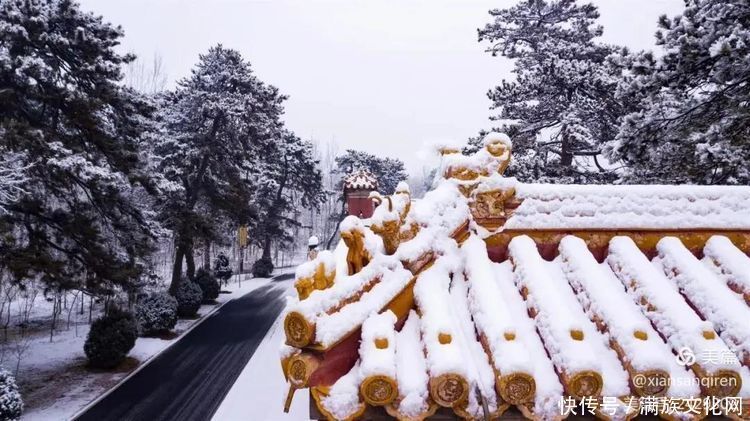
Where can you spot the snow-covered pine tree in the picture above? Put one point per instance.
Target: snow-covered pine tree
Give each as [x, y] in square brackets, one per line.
[77, 131]
[562, 99]
[388, 171]
[293, 183]
[218, 124]
[692, 124]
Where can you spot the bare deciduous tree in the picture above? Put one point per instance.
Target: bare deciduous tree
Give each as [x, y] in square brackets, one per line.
[148, 78]
[12, 178]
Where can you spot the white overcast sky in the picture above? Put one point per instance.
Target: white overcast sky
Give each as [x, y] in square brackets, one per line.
[384, 76]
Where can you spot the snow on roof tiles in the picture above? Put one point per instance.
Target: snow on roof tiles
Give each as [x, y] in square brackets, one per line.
[477, 320]
[549, 206]
[447, 307]
[361, 180]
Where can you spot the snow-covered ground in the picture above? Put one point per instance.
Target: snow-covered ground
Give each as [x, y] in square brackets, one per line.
[56, 381]
[260, 389]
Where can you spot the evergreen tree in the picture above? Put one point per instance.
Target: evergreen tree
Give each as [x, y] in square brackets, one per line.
[562, 99]
[76, 131]
[388, 171]
[292, 183]
[218, 124]
[692, 122]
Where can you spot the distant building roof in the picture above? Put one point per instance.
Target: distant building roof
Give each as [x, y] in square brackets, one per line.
[360, 179]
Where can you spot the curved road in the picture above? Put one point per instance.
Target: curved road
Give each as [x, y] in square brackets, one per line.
[189, 380]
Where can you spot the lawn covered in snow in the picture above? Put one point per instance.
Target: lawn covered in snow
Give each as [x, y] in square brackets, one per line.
[54, 378]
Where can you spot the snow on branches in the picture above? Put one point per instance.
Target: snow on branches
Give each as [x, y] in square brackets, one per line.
[12, 177]
[562, 95]
[689, 122]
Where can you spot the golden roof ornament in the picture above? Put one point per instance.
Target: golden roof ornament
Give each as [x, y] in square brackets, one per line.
[500, 147]
[390, 215]
[353, 235]
[492, 158]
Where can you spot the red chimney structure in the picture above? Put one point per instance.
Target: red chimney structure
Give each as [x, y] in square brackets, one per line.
[357, 188]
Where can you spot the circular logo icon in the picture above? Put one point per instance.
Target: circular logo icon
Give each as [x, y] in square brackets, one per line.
[685, 356]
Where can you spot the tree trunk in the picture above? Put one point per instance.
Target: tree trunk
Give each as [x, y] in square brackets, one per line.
[341, 217]
[207, 255]
[566, 157]
[177, 269]
[55, 307]
[190, 261]
[266, 249]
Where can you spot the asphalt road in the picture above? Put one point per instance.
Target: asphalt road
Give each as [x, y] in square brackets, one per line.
[189, 380]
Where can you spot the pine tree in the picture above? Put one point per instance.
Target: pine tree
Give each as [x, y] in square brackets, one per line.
[218, 124]
[293, 183]
[562, 99]
[692, 123]
[76, 131]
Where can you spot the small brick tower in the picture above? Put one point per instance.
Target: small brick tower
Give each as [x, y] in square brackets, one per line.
[357, 188]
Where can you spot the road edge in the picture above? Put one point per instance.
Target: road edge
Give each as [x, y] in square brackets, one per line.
[152, 357]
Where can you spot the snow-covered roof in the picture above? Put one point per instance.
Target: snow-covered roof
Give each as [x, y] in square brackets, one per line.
[532, 206]
[649, 207]
[463, 331]
[475, 326]
[360, 179]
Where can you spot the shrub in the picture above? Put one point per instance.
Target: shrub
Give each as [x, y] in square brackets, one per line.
[11, 404]
[189, 296]
[262, 268]
[208, 284]
[156, 313]
[110, 339]
[222, 269]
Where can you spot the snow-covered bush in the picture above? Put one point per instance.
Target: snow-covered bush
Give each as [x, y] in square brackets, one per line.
[222, 270]
[189, 296]
[156, 313]
[262, 268]
[110, 339]
[209, 285]
[11, 404]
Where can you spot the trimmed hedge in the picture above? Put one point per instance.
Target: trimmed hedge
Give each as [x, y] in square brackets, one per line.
[189, 296]
[156, 314]
[110, 339]
[262, 268]
[208, 284]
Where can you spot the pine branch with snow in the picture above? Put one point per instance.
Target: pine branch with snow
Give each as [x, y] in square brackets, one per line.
[75, 219]
[690, 123]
